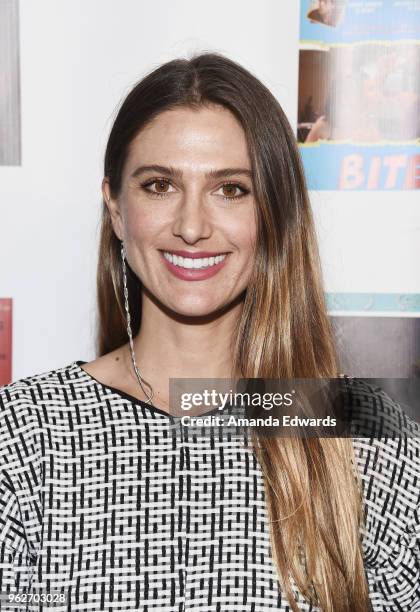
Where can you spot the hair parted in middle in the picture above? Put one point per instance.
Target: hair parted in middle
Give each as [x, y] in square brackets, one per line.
[312, 492]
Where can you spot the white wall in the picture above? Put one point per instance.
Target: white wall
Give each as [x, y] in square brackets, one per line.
[78, 59]
[370, 242]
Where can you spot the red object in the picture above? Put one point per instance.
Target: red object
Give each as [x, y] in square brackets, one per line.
[197, 254]
[5, 341]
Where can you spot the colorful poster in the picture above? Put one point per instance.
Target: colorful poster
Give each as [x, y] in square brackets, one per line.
[359, 94]
[5, 341]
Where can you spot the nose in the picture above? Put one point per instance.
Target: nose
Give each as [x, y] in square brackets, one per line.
[192, 221]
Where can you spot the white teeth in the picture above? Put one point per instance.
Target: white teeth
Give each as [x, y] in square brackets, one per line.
[193, 263]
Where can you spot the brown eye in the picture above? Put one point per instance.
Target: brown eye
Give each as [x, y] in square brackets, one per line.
[229, 190]
[161, 186]
[157, 187]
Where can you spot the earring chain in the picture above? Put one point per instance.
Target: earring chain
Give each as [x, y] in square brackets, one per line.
[130, 334]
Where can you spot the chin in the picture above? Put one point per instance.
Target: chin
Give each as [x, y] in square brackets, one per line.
[196, 309]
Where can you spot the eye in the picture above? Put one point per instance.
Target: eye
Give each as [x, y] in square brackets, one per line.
[161, 184]
[230, 191]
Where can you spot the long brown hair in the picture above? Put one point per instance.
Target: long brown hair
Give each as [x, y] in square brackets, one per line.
[312, 493]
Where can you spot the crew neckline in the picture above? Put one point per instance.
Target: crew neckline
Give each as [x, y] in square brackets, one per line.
[120, 393]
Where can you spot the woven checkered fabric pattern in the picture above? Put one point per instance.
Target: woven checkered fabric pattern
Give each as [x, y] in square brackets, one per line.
[101, 500]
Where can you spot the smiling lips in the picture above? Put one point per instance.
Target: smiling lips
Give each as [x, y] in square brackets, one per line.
[193, 266]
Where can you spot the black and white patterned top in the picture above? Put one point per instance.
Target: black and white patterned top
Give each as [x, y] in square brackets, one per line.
[100, 501]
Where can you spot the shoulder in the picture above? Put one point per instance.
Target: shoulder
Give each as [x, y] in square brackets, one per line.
[387, 454]
[373, 413]
[21, 407]
[385, 437]
[33, 389]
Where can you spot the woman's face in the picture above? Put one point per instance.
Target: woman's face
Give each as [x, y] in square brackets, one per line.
[198, 201]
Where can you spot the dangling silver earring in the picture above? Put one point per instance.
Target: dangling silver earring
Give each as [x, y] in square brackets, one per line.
[129, 332]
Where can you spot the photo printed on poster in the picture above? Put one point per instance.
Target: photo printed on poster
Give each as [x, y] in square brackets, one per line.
[359, 94]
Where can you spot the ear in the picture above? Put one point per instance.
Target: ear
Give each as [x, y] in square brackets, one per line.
[113, 207]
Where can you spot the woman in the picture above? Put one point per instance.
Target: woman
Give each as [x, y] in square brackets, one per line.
[208, 263]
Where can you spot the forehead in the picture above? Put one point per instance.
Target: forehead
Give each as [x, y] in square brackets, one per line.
[208, 135]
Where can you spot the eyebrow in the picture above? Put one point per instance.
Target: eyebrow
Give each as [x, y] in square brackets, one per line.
[177, 173]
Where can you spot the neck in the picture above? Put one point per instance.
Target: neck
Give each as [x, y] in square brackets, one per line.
[170, 345]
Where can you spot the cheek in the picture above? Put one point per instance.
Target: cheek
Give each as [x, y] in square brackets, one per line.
[143, 225]
[244, 236]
